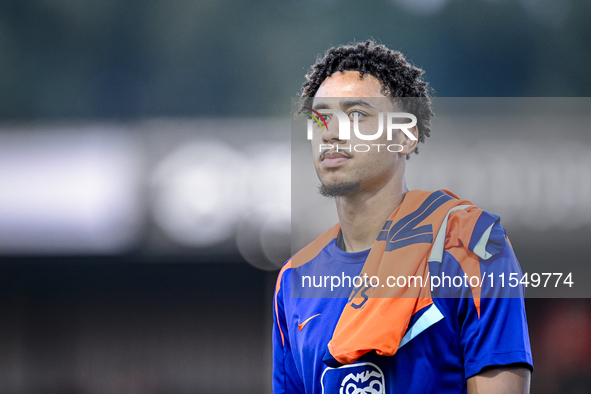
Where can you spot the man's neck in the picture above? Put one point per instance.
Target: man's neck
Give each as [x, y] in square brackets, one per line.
[362, 215]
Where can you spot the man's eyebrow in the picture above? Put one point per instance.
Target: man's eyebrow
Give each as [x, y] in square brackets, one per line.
[345, 104]
[352, 103]
[321, 106]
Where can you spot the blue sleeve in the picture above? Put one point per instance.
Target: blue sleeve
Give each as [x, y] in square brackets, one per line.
[285, 375]
[499, 336]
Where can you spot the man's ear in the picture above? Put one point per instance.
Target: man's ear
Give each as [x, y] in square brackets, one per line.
[408, 145]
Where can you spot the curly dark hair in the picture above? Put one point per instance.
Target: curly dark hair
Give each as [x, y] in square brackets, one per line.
[397, 76]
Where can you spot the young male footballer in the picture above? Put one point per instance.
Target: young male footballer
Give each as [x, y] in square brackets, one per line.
[385, 328]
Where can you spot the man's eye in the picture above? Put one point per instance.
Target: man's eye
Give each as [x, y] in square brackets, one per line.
[326, 117]
[359, 114]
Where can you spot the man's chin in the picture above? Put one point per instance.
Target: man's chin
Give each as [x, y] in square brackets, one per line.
[339, 189]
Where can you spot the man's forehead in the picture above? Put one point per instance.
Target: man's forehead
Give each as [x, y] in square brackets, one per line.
[379, 104]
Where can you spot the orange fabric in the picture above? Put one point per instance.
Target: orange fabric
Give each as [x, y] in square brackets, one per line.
[460, 226]
[382, 321]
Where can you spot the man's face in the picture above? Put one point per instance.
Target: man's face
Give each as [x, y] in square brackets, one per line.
[347, 171]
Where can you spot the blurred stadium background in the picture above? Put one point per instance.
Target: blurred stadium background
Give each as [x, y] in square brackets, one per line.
[145, 182]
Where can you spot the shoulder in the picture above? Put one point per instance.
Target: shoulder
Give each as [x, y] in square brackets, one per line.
[305, 255]
[477, 231]
[310, 251]
[477, 246]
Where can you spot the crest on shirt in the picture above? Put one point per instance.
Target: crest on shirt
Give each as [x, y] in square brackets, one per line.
[359, 378]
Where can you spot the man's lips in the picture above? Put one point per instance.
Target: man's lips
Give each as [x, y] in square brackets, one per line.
[333, 159]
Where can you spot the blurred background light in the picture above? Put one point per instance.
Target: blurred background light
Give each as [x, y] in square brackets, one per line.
[200, 192]
[207, 192]
[263, 238]
[69, 190]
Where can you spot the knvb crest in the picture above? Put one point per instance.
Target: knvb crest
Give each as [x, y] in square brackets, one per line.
[360, 378]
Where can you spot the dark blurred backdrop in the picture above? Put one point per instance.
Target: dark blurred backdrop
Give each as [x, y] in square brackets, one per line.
[127, 59]
[130, 193]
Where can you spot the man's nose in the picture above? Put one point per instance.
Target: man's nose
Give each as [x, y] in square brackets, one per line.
[330, 134]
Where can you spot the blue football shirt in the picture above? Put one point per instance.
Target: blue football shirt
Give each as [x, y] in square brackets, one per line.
[446, 343]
